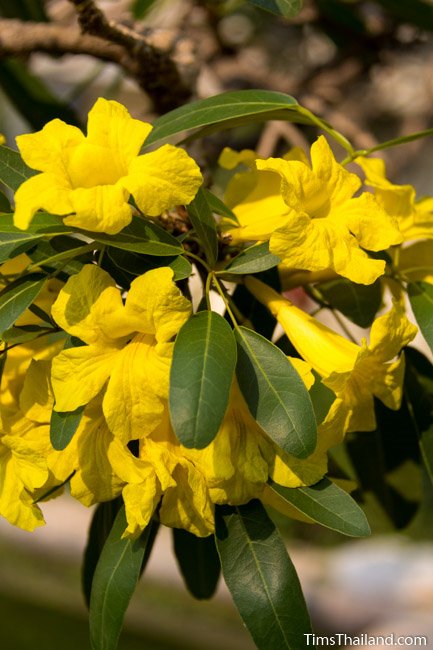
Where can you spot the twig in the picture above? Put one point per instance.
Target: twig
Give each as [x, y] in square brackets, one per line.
[147, 66]
[155, 70]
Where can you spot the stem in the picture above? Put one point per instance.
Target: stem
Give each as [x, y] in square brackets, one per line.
[207, 290]
[344, 327]
[395, 142]
[338, 137]
[198, 259]
[220, 290]
[101, 254]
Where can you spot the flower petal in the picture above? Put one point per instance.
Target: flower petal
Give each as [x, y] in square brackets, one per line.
[48, 150]
[341, 184]
[391, 332]
[111, 126]
[78, 374]
[95, 480]
[85, 303]
[188, 505]
[103, 208]
[134, 400]
[319, 244]
[140, 503]
[374, 229]
[41, 191]
[162, 179]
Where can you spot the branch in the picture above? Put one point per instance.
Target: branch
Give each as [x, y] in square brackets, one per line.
[19, 38]
[155, 70]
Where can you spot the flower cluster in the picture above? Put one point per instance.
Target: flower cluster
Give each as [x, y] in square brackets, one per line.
[105, 356]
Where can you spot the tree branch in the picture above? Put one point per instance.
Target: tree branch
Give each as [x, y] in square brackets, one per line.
[162, 80]
[155, 70]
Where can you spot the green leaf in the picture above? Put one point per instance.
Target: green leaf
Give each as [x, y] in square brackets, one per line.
[201, 216]
[17, 296]
[24, 333]
[276, 395]
[321, 397]
[41, 224]
[328, 505]
[226, 111]
[100, 526]
[141, 7]
[135, 264]
[217, 206]
[358, 302]
[62, 252]
[198, 562]
[261, 577]
[115, 580]
[421, 300]
[12, 244]
[4, 203]
[253, 260]
[13, 169]
[286, 8]
[204, 360]
[141, 236]
[63, 426]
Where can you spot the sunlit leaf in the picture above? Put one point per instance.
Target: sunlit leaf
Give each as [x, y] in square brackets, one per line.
[13, 169]
[225, 111]
[254, 259]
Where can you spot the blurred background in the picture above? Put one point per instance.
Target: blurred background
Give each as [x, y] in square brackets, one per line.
[365, 67]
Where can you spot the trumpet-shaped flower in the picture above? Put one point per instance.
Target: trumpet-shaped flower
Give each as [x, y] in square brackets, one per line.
[127, 351]
[232, 469]
[355, 373]
[311, 217]
[89, 179]
[414, 216]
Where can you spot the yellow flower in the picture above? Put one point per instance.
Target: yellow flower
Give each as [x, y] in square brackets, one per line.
[232, 469]
[414, 217]
[85, 458]
[128, 346]
[355, 373]
[162, 473]
[90, 178]
[310, 216]
[2, 139]
[23, 469]
[416, 261]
